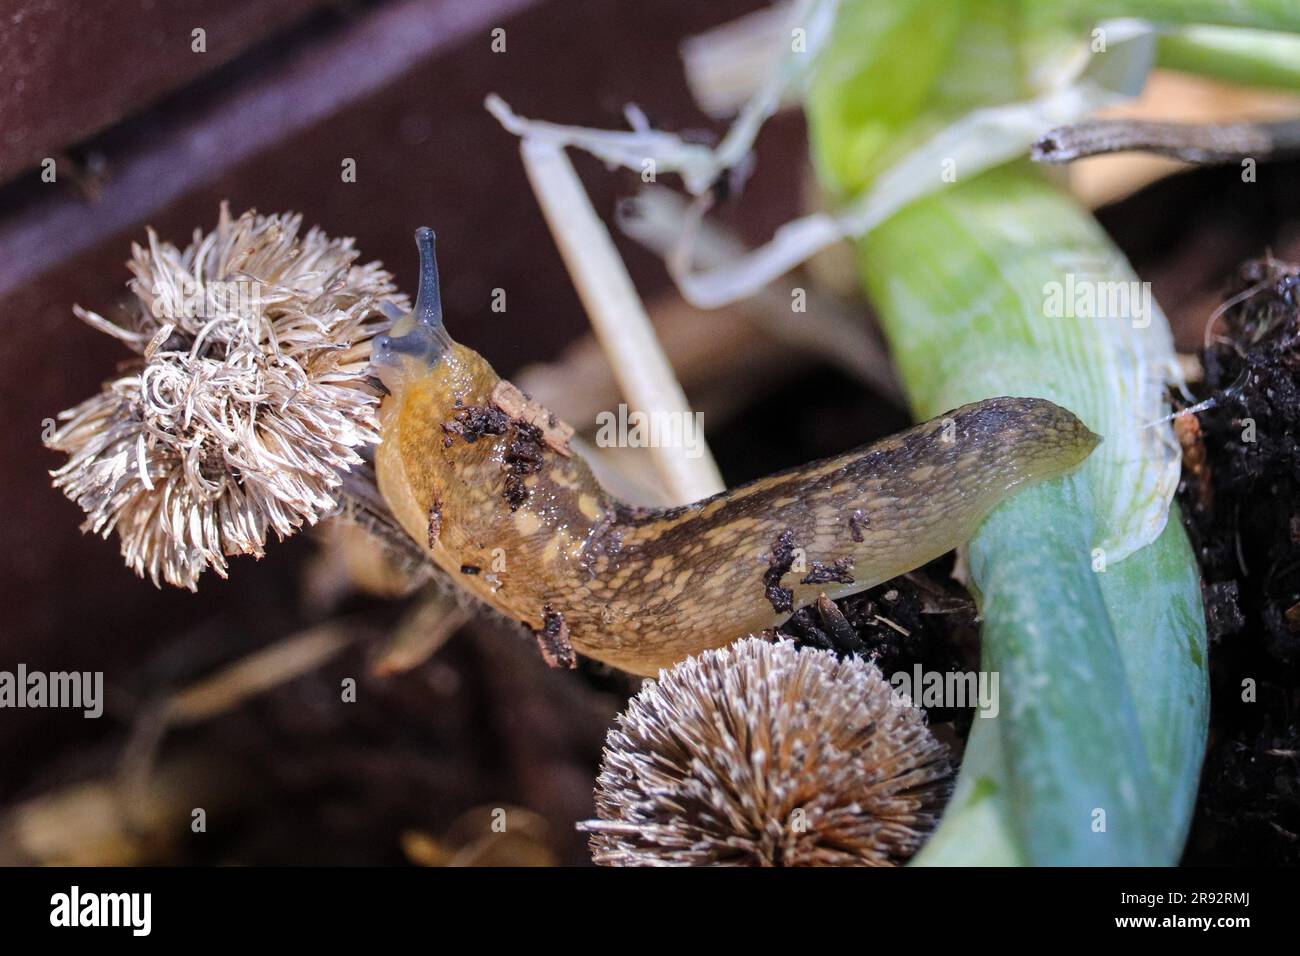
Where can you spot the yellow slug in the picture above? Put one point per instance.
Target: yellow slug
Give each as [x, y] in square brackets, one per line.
[484, 479]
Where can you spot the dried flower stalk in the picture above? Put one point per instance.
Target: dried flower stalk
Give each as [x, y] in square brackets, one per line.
[247, 402]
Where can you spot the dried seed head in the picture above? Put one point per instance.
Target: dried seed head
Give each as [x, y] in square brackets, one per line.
[247, 400]
[762, 754]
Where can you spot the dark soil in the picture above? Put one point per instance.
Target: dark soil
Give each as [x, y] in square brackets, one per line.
[1241, 501]
[922, 618]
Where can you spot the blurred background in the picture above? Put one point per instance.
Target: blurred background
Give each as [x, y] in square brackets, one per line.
[144, 130]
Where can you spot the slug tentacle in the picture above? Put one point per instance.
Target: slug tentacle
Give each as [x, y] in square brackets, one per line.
[484, 479]
[428, 301]
[420, 334]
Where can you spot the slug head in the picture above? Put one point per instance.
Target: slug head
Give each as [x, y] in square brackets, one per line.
[418, 339]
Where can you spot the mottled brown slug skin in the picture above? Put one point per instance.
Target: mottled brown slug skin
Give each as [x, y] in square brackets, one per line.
[526, 527]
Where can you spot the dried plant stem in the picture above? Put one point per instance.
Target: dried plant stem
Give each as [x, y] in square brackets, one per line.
[100, 822]
[578, 383]
[422, 632]
[827, 325]
[259, 672]
[727, 65]
[1205, 143]
[617, 314]
[210, 696]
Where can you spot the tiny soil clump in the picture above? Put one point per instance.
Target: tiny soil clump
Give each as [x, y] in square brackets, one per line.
[1241, 502]
[909, 621]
